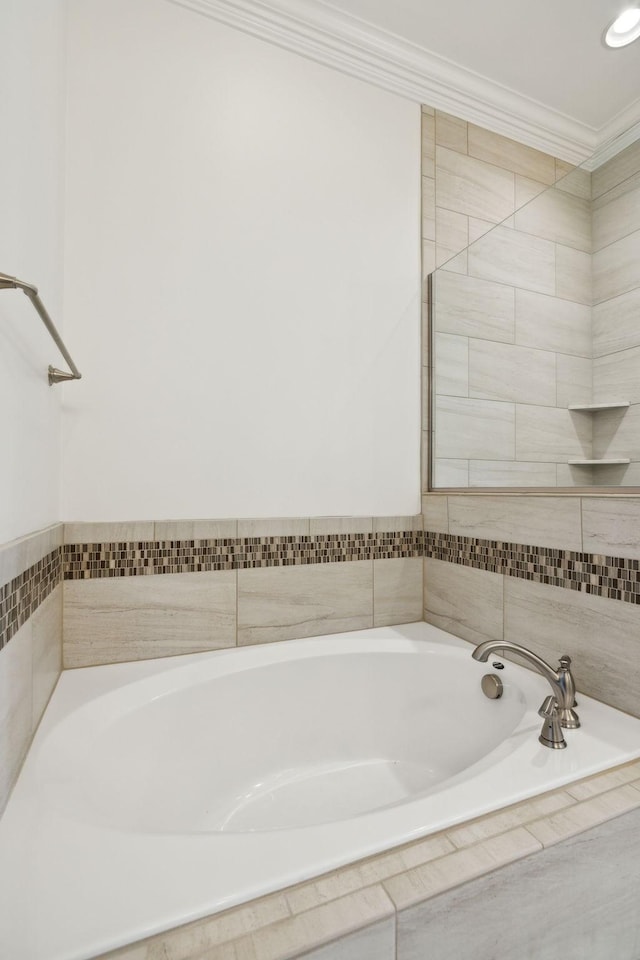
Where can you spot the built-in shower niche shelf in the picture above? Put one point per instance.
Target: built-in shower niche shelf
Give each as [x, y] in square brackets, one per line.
[595, 407]
[597, 463]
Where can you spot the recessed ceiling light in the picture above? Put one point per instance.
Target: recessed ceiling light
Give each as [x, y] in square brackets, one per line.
[624, 29]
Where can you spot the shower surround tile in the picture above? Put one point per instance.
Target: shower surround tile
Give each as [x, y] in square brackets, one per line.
[110, 620]
[304, 601]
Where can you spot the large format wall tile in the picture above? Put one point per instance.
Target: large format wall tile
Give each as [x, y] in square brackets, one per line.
[511, 473]
[616, 170]
[616, 433]
[611, 526]
[552, 434]
[46, 626]
[574, 380]
[108, 620]
[558, 216]
[508, 256]
[616, 323]
[573, 274]
[397, 591]
[616, 218]
[16, 710]
[281, 603]
[462, 600]
[544, 521]
[550, 323]
[473, 187]
[615, 268]
[511, 155]
[451, 365]
[473, 308]
[504, 371]
[599, 634]
[474, 428]
[617, 376]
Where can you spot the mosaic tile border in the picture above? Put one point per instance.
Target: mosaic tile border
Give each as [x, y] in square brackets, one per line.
[21, 597]
[617, 578]
[85, 561]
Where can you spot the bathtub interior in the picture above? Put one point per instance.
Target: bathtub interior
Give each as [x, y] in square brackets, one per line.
[277, 746]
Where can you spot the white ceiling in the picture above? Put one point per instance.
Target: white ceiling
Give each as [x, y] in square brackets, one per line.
[534, 70]
[548, 50]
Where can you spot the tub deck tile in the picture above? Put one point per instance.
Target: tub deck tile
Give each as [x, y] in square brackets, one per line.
[520, 814]
[426, 881]
[585, 815]
[591, 787]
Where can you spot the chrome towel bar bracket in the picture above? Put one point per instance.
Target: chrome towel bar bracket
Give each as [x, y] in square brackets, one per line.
[55, 375]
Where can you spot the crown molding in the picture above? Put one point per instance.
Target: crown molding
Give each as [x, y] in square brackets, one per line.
[319, 32]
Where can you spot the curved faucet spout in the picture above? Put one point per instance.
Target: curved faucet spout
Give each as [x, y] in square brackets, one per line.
[560, 680]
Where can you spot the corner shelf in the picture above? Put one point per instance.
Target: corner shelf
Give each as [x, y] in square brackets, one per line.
[596, 463]
[594, 407]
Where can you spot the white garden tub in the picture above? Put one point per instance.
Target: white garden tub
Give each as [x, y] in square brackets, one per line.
[159, 792]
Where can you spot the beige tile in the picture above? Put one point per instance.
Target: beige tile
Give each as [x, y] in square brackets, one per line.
[428, 261]
[472, 187]
[274, 527]
[282, 603]
[616, 324]
[516, 816]
[616, 433]
[397, 591]
[617, 377]
[505, 371]
[451, 365]
[569, 475]
[511, 473]
[574, 380]
[624, 165]
[468, 307]
[435, 513]
[583, 816]
[611, 526]
[428, 208]
[576, 181]
[109, 532]
[367, 873]
[462, 600]
[460, 867]
[478, 228]
[543, 521]
[616, 219]
[554, 621]
[511, 155]
[552, 434]
[527, 190]
[16, 556]
[195, 529]
[615, 268]
[450, 132]
[558, 216]
[593, 786]
[458, 264]
[388, 524]
[474, 429]
[451, 473]
[46, 625]
[573, 275]
[428, 144]
[321, 925]
[508, 256]
[109, 620]
[452, 234]
[318, 526]
[550, 323]
[16, 709]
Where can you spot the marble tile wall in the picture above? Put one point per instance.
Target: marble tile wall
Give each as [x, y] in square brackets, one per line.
[30, 643]
[563, 593]
[513, 312]
[616, 313]
[228, 583]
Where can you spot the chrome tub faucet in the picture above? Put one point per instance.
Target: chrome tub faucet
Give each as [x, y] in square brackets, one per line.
[556, 710]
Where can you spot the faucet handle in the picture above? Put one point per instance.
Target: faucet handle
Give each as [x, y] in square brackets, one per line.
[551, 733]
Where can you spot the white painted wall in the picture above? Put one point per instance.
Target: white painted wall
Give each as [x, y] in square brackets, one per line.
[242, 276]
[31, 156]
